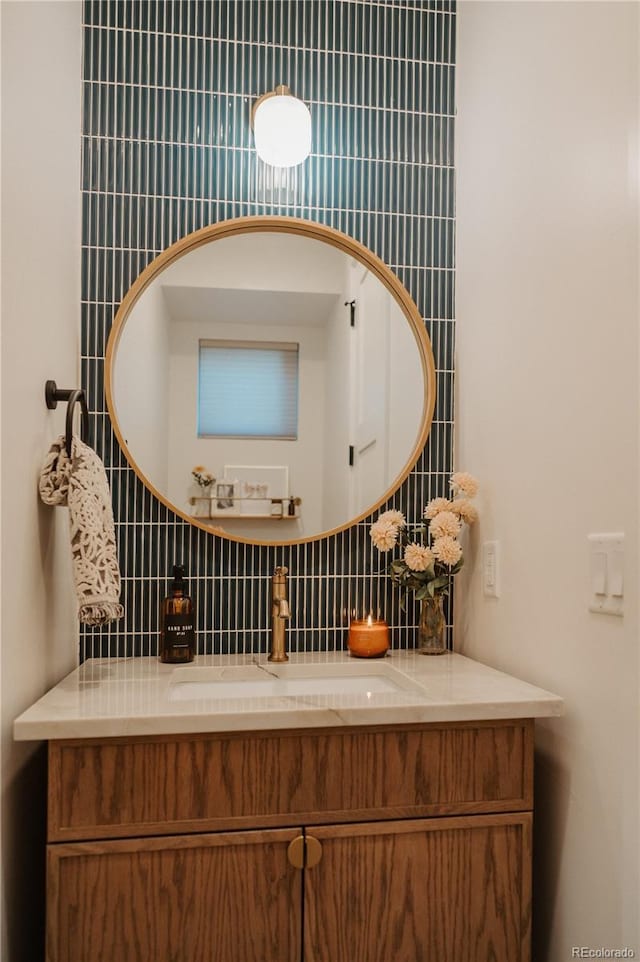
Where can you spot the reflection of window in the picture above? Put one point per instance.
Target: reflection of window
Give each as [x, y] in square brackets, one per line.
[248, 389]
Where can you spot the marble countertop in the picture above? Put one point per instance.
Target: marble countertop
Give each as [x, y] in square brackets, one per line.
[141, 696]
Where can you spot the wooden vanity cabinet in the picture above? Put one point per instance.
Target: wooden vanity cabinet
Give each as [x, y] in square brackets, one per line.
[425, 890]
[176, 848]
[226, 896]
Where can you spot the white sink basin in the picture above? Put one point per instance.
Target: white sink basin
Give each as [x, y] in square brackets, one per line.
[281, 681]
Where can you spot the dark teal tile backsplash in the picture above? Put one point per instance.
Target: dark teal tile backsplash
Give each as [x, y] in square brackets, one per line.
[167, 149]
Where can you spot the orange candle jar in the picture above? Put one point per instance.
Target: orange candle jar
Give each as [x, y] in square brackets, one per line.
[368, 638]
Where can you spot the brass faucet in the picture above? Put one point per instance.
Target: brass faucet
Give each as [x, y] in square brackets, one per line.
[280, 614]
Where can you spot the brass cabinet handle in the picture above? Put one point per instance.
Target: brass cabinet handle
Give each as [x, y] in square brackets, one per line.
[304, 852]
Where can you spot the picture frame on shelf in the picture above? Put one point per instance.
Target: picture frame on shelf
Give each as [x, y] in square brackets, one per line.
[276, 477]
[254, 498]
[225, 496]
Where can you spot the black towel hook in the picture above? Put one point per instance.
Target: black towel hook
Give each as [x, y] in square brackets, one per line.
[53, 394]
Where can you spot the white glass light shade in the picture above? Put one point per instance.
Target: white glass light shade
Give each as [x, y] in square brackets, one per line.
[282, 130]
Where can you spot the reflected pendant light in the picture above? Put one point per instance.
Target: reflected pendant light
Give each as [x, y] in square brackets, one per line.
[281, 128]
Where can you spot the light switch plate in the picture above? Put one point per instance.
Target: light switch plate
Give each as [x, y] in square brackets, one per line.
[491, 569]
[606, 573]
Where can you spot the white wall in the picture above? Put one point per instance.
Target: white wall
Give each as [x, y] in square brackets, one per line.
[338, 429]
[41, 55]
[547, 417]
[142, 385]
[260, 261]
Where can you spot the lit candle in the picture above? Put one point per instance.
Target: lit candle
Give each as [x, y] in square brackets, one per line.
[368, 638]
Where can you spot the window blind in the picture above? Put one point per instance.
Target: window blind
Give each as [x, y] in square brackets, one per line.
[248, 389]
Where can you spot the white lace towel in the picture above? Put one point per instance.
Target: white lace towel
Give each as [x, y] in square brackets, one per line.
[81, 484]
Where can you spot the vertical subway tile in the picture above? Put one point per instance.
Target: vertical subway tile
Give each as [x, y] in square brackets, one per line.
[166, 149]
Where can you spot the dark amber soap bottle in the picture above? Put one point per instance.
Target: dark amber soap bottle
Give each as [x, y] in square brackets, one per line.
[177, 631]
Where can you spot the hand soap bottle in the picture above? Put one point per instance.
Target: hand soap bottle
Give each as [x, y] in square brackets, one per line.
[177, 632]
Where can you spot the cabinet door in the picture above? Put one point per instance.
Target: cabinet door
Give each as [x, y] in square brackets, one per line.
[232, 897]
[427, 890]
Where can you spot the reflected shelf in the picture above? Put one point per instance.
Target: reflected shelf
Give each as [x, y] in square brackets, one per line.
[233, 514]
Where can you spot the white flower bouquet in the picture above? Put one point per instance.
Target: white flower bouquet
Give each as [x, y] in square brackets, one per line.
[433, 554]
[202, 477]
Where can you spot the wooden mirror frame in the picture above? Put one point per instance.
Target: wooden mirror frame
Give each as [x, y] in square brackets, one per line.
[314, 231]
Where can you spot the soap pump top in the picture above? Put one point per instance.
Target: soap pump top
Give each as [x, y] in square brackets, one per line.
[177, 631]
[178, 585]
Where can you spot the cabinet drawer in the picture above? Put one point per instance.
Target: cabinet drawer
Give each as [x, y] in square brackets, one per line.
[192, 783]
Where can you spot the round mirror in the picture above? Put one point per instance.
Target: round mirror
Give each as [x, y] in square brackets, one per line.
[270, 380]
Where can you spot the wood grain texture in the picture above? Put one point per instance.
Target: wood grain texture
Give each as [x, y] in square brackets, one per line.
[432, 890]
[231, 897]
[194, 783]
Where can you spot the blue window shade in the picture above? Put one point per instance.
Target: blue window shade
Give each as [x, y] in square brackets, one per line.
[248, 389]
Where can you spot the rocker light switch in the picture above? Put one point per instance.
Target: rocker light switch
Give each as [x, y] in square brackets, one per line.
[616, 576]
[490, 569]
[599, 572]
[606, 573]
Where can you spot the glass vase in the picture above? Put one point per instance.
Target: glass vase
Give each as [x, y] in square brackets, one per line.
[431, 627]
[201, 495]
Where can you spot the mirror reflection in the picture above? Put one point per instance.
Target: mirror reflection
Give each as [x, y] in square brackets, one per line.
[269, 386]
